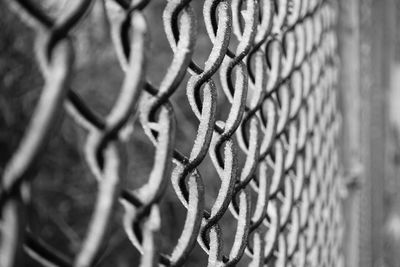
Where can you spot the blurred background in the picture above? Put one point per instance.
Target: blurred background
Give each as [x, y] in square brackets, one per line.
[369, 39]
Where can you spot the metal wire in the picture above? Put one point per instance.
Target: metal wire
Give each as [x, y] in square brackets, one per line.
[280, 82]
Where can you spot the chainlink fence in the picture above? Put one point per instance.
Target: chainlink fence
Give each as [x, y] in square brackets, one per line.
[275, 153]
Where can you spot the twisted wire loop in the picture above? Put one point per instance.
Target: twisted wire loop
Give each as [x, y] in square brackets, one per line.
[277, 66]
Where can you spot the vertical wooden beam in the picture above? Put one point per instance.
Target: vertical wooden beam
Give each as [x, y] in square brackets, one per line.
[376, 62]
[366, 41]
[350, 101]
[366, 87]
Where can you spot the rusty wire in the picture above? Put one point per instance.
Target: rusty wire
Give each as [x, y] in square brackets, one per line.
[280, 82]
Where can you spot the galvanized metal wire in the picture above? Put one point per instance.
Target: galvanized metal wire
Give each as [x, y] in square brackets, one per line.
[280, 82]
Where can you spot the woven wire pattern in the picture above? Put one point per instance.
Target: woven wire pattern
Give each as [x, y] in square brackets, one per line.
[280, 80]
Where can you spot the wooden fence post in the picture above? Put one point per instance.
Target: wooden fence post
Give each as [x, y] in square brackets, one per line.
[366, 38]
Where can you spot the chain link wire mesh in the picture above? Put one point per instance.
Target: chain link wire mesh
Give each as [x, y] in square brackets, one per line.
[277, 64]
